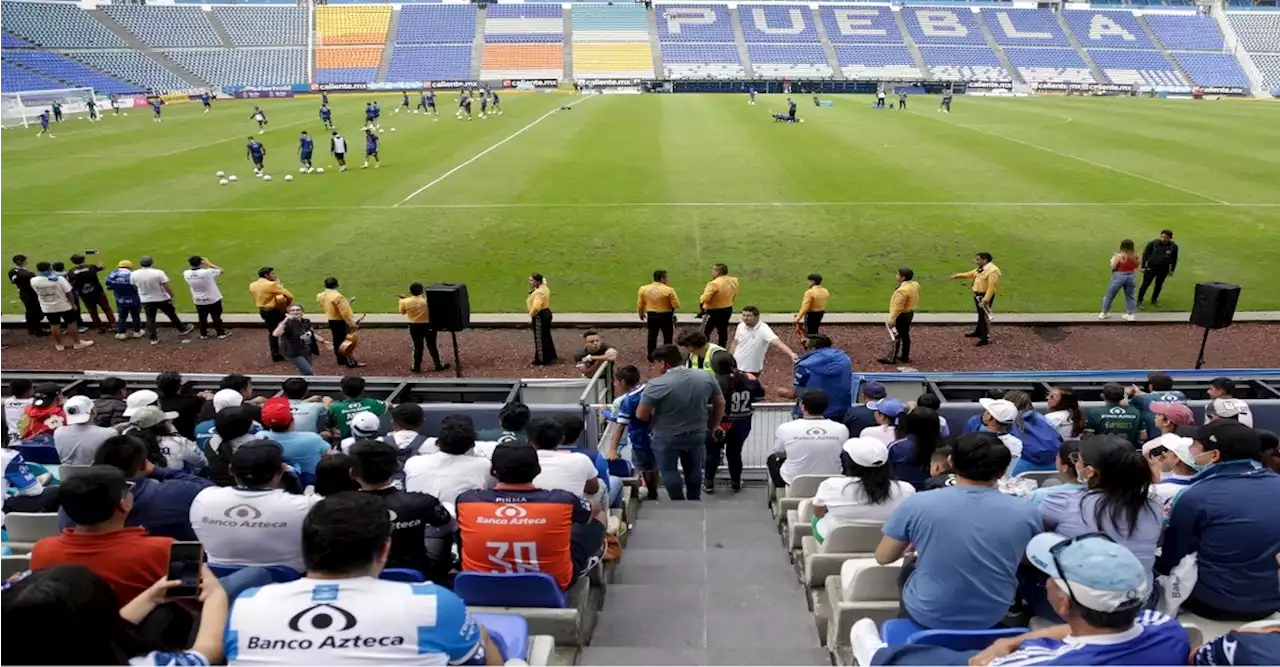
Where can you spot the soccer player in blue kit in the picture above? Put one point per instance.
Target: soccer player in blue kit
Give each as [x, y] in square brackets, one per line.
[405, 103]
[496, 103]
[305, 146]
[370, 149]
[156, 103]
[326, 115]
[368, 114]
[946, 101]
[261, 117]
[377, 116]
[464, 106]
[255, 151]
[44, 124]
[324, 98]
[751, 95]
[204, 100]
[484, 104]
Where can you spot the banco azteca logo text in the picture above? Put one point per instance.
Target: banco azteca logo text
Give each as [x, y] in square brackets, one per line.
[323, 616]
[325, 619]
[511, 515]
[242, 516]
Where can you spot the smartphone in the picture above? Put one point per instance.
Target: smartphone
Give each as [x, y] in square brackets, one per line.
[185, 561]
[91, 251]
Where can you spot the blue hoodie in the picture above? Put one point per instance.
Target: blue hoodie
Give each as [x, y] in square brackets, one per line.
[118, 282]
[1228, 517]
[162, 504]
[831, 370]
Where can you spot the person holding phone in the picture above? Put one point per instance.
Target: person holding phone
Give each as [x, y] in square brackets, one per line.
[84, 280]
[298, 343]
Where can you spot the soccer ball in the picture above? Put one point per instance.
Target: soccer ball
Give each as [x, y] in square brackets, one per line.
[319, 170]
[801, 120]
[288, 177]
[220, 174]
[393, 129]
[380, 130]
[302, 170]
[257, 174]
[222, 181]
[232, 178]
[266, 177]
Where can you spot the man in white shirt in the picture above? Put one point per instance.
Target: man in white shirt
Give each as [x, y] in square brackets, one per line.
[254, 523]
[15, 404]
[456, 467]
[752, 340]
[202, 278]
[998, 417]
[406, 431]
[156, 295]
[342, 614]
[54, 293]
[809, 445]
[78, 441]
[561, 469]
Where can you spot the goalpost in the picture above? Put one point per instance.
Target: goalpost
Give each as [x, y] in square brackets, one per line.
[22, 109]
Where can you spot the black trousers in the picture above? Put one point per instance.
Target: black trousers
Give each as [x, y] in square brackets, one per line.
[774, 464]
[273, 318]
[902, 344]
[339, 330]
[33, 316]
[166, 307]
[211, 311]
[659, 322]
[718, 320]
[98, 302]
[1156, 274]
[423, 332]
[812, 320]
[984, 325]
[734, 438]
[544, 347]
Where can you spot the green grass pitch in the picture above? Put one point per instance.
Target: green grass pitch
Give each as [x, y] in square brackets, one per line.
[599, 196]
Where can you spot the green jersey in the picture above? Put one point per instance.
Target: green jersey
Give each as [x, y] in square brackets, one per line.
[340, 412]
[1120, 420]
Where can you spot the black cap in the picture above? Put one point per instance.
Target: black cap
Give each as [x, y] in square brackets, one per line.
[1233, 440]
[46, 394]
[258, 462]
[515, 463]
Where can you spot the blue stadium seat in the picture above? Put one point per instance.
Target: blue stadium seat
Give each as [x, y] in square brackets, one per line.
[899, 631]
[509, 631]
[279, 573]
[404, 574]
[516, 589]
[694, 23]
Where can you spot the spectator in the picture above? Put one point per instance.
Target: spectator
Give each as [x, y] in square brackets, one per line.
[29, 494]
[975, 423]
[156, 295]
[1173, 452]
[1113, 417]
[1270, 450]
[165, 447]
[79, 440]
[74, 599]
[454, 468]
[421, 538]
[752, 340]
[1097, 587]
[54, 293]
[334, 475]
[1228, 408]
[21, 278]
[863, 413]
[85, 283]
[512, 419]
[255, 523]
[1065, 414]
[406, 431]
[346, 540]
[97, 503]
[161, 496]
[911, 455]
[43, 416]
[888, 413]
[571, 429]
[364, 426]
[826, 368]
[740, 393]
[302, 449]
[1039, 437]
[202, 278]
[128, 304]
[998, 417]
[20, 396]
[562, 470]
[353, 401]
[1251, 644]
[1171, 416]
[699, 350]
[1124, 266]
[241, 384]
[1221, 387]
[1159, 260]
[676, 406]
[298, 343]
[310, 413]
[272, 300]
[809, 445]
[233, 427]
[110, 404]
[941, 473]
[1116, 501]
[138, 400]
[223, 399]
[177, 396]
[931, 401]
[1159, 390]
[865, 493]
[637, 430]
[594, 353]
[1236, 541]
[566, 541]
[969, 539]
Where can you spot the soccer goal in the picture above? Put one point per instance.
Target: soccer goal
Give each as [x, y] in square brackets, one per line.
[22, 109]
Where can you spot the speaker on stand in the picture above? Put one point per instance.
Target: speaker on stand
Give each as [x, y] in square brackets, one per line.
[1214, 308]
[449, 310]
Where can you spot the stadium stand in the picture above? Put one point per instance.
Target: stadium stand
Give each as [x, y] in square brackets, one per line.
[786, 24]
[860, 25]
[1186, 32]
[70, 72]
[695, 23]
[351, 64]
[697, 42]
[132, 66]
[436, 24]
[364, 24]
[522, 61]
[523, 42]
[264, 26]
[1108, 29]
[166, 26]
[701, 61]
[943, 26]
[611, 41]
[56, 25]
[245, 67]
[11, 42]
[878, 61]
[1148, 68]
[1025, 27]
[14, 79]
[1259, 34]
[963, 63]
[1212, 69]
[520, 24]
[416, 63]
[1035, 65]
[789, 60]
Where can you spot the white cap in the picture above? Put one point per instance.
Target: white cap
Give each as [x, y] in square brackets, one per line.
[1177, 444]
[139, 399]
[79, 409]
[867, 452]
[1001, 410]
[364, 424]
[1226, 408]
[226, 398]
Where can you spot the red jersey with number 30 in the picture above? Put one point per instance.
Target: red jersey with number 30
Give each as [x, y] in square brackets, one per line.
[520, 530]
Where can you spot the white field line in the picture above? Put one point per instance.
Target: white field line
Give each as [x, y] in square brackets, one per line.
[486, 151]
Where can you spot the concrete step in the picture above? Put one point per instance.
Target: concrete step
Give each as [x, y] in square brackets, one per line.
[735, 19]
[390, 46]
[911, 44]
[1075, 44]
[830, 50]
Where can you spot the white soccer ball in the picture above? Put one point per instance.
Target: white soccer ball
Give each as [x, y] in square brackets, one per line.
[319, 170]
[266, 177]
[288, 177]
[380, 130]
[257, 174]
[801, 120]
[220, 174]
[232, 178]
[397, 109]
[393, 129]
[222, 181]
[302, 170]
[415, 111]
[126, 113]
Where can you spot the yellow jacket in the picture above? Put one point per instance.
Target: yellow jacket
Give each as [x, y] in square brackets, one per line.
[904, 299]
[656, 298]
[986, 281]
[335, 306]
[265, 291]
[539, 298]
[719, 293]
[815, 300]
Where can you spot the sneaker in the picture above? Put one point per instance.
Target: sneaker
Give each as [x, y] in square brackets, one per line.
[1155, 304]
[83, 344]
[136, 334]
[187, 329]
[1128, 317]
[443, 367]
[155, 341]
[1103, 316]
[709, 488]
[58, 347]
[121, 336]
[888, 362]
[982, 343]
[82, 329]
[736, 487]
[224, 335]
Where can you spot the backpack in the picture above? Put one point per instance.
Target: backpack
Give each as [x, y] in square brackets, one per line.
[1040, 440]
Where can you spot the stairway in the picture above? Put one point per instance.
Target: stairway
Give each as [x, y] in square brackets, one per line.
[138, 45]
[911, 44]
[1000, 54]
[830, 50]
[1173, 62]
[219, 29]
[1084, 54]
[655, 44]
[735, 20]
[568, 44]
[389, 48]
[477, 42]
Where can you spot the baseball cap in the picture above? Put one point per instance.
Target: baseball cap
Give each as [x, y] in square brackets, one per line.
[1177, 413]
[79, 409]
[257, 461]
[1001, 410]
[124, 264]
[277, 413]
[1181, 447]
[1102, 575]
[226, 398]
[1225, 408]
[150, 415]
[873, 390]
[46, 394]
[889, 407]
[866, 452]
[138, 399]
[364, 424]
[1227, 434]
[1162, 441]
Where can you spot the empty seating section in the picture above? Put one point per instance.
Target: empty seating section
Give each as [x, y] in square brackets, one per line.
[11, 42]
[789, 24]
[1186, 32]
[1258, 31]
[14, 79]
[523, 41]
[1025, 27]
[264, 26]
[611, 41]
[963, 63]
[688, 23]
[701, 61]
[521, 23]
[522, 61]
[876, 61]
[1212, 69]
[435, 24]
[1115, 29]
[70, 72]
[56, 25]
[791, 60]
[1269, 65]
[943, 26]
[245, 67]
[1049, 65]
[410, 63]
[346, 75]
[133, 66]
[166, 26]
[698, 42]
[1149, 68]
[362, 24]
[860, 25]
[351, 56]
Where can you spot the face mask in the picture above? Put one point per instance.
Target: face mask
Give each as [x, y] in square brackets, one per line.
[1197, 465]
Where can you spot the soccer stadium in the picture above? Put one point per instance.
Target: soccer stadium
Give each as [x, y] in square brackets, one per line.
[924, 332]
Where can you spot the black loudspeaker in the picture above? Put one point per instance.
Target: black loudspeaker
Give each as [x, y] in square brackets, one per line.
[1215, 305]
[448, 307]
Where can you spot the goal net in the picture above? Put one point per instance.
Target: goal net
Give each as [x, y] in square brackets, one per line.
[23, 109]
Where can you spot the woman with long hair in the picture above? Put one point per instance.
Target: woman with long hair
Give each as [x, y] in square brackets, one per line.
[165, 447]
[740, 393]
[1065, 413]
[1124, 270]
[866, 493]
[1068, 454]
[911, 454]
